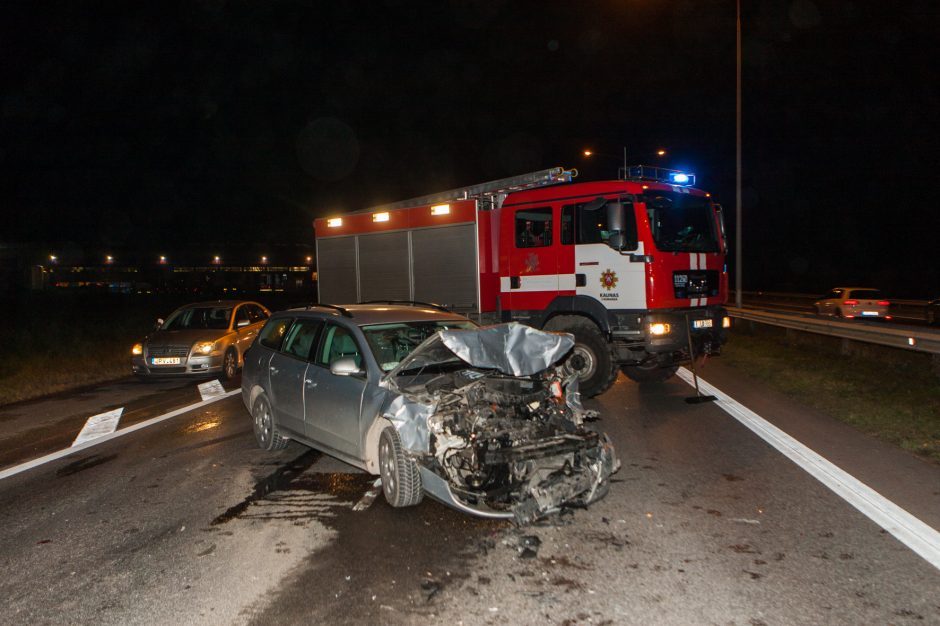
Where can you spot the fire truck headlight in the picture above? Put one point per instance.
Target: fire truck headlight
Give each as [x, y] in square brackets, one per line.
[659, 329]
[726, 322]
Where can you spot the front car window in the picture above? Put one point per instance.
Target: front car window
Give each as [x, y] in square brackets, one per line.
[390, 343]
[338, 343]
[202, 318]
[681, 222]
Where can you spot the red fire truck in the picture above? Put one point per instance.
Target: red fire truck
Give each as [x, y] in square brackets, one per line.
[633, 268]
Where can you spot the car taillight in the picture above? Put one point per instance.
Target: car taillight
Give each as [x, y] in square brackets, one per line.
[851, 302]
[884, 303]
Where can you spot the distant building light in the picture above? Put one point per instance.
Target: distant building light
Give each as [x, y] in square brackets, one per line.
[380, 217]
[309, 259]
[162, 259]
[334, 222]
[440, 209]
[109, 259]
[53, 258]
[216, 259]
[264, 259]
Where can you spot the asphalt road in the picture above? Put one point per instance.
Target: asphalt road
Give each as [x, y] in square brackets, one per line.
[186, 521]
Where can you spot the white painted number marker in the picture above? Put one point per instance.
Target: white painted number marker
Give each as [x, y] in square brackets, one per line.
[909, 530]
[99, 426]
[211, 389]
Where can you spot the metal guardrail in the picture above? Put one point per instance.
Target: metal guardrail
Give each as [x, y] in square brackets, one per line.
[918, 340]
[901, 309]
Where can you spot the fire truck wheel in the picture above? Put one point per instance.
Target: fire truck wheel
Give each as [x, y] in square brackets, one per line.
[592, 359]
[649, 373]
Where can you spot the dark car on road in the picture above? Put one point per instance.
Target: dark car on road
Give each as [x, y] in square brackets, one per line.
[199, 339]
[482, 419]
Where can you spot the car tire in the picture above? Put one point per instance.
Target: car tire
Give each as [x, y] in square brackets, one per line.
[230, 364]
[266, 431]
[591, 349]
[401, 481]
[644, 374]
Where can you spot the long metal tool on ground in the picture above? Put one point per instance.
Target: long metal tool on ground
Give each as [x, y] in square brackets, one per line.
[698, 398]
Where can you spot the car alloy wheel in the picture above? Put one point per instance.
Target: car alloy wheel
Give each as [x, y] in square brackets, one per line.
[263, 424]
[230, 365]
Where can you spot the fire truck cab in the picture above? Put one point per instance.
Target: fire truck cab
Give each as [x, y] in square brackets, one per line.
[633, 268]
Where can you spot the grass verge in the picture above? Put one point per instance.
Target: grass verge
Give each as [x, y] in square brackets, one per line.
[889, 394]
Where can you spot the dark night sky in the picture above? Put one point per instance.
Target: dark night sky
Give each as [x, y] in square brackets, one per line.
[143, 123]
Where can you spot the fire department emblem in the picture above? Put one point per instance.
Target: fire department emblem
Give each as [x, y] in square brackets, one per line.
[609, 279]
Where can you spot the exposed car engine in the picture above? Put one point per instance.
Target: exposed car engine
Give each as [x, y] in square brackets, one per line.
[515, 444]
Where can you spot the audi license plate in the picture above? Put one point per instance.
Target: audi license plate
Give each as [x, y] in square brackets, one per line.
[165, 360]
[701, 323]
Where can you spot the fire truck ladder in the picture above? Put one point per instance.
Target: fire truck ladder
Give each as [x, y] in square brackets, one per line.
[492, 192]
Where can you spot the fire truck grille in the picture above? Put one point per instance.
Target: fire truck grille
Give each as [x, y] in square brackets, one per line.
[695, 283]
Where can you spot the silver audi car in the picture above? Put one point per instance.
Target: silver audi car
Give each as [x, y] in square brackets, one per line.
[483, 419]
[201, 339]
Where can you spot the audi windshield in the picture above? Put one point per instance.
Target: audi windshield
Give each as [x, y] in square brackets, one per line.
[681, 222]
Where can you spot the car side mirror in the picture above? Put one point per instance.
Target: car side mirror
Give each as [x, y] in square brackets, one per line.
[158, 323]
[345, 366]
[242, 323]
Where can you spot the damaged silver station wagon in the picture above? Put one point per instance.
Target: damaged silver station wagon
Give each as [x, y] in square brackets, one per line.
[485, 420]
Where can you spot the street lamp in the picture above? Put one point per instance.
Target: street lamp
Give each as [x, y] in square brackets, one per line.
[162, 260]
[264, 260]
[216, 259]
[53, 258]
[109, 259]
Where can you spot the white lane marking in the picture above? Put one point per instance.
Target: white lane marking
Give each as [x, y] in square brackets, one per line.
[370, 496]
[909, 530]
[22, 467]
[98, 426]
[210, 389]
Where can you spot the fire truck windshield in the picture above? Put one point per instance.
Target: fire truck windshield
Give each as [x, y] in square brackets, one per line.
[681, 222]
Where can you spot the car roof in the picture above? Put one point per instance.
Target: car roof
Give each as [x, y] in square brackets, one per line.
[364, 314]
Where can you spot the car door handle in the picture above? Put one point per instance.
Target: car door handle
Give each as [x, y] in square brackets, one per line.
[310, 383]
[273, 369]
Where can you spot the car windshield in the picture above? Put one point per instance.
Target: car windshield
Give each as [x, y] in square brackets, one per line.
[390, 343]
[865, 294]
[681, 222]
[210, 317]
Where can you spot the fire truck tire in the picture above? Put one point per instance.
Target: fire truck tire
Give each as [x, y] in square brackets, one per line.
[649, 374]
[591, 354]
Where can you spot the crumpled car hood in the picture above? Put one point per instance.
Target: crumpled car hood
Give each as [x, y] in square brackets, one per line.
[513, 349]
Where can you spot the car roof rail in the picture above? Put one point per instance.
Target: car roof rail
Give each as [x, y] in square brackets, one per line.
[439, 307]
[340, 309]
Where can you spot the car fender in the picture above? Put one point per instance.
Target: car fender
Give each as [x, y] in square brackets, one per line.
[370, 449]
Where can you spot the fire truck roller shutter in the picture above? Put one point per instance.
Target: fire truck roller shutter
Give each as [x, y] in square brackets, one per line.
[445, 266]
[383, 267]
[336, 267]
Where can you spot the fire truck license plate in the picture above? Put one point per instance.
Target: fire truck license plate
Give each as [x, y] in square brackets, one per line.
[701, 323]
[167, 360]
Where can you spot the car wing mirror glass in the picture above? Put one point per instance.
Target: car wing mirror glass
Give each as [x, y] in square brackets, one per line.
[242, 323]
[345, 366]
[158, 323]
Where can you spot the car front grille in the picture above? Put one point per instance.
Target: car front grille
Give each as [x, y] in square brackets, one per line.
[159, 351]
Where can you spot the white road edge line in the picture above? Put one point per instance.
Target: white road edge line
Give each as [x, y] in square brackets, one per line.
[16, 469]
[909, 530]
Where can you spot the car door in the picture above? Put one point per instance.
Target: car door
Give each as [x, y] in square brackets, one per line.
[288, 374]
[333, 409]
[532, 263]
[831, 302]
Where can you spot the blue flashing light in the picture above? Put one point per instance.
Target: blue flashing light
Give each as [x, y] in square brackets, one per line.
[679, 178]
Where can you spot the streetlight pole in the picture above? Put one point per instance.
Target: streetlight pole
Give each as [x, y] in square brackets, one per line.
[737, 213]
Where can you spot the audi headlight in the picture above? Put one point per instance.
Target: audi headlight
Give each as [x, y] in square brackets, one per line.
[203, 347]
[138, 349]
[659, 329]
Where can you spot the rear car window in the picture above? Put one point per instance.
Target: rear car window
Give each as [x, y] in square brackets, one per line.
[865, 294]
[301, 338]
[273, 333]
